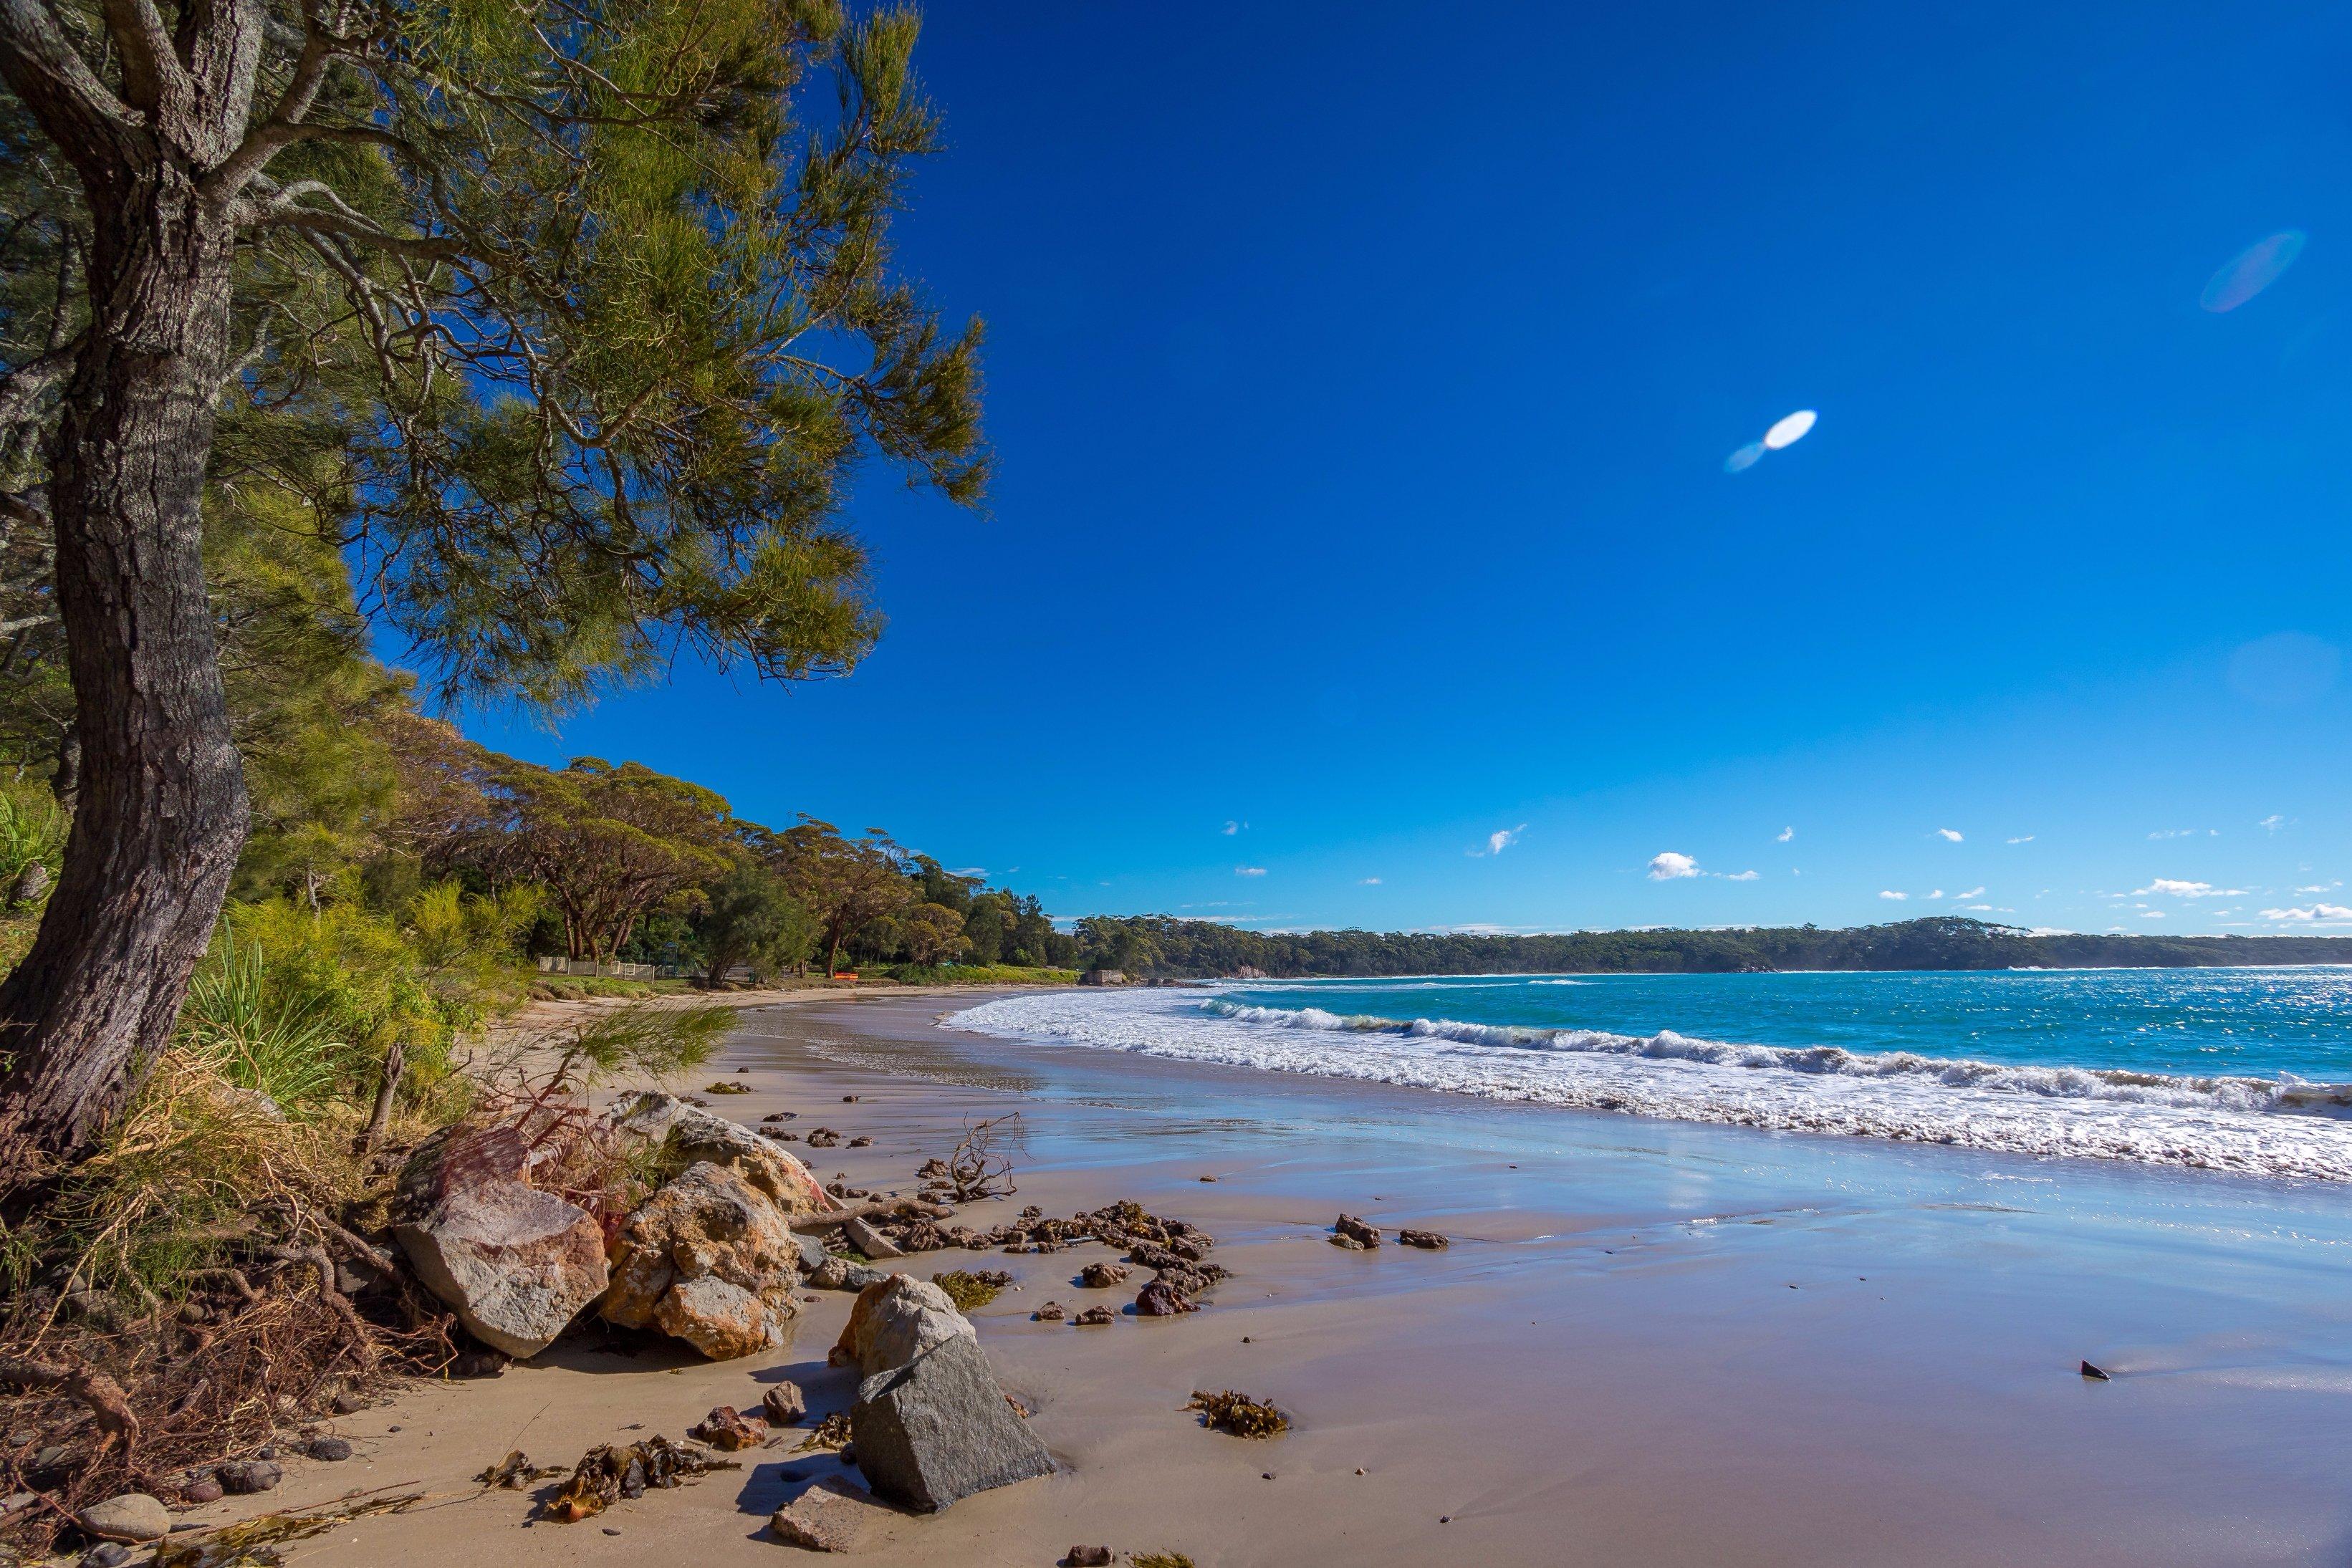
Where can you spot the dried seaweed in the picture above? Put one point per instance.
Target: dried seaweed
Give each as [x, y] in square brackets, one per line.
[253, 1543]
[607, 1475]
[1239, 1414]
[833, 1432]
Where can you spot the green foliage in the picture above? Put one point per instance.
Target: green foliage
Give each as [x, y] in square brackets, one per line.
[610, 406]
[259, 1031]
[752, 918]
[663, 1043]
[362, 976]
[32, 832]
[979, 975]
[609, 844]
[1163, 945]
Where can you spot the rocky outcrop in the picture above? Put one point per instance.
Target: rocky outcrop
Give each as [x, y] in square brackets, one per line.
[711, 1259]
[894, 1320]
[938, 1428]
[692, 1135]
[515, 1264]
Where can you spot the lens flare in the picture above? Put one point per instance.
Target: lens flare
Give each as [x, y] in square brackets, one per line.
[1789, 431]
[1744, 459]
[2251, 270]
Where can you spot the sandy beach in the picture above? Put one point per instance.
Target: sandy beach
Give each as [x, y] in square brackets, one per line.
[1651, 1342]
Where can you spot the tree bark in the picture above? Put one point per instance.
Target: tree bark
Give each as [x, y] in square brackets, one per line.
[161, 812]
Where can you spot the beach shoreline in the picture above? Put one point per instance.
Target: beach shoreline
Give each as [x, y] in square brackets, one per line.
[1651, 1342]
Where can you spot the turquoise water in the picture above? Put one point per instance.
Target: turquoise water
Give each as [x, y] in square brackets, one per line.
[2246, 1070]
[2253, 1023]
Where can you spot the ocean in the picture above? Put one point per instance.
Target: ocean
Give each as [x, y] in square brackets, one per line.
[2247, 1070]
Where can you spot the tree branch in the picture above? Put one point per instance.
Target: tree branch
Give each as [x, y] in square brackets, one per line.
[22, 388]
[81, 113]
[151, 72]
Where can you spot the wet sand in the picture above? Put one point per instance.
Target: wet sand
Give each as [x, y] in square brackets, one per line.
[1651, 1342]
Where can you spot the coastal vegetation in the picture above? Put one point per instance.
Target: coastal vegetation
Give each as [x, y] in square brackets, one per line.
[1161, 945]
[547, 343]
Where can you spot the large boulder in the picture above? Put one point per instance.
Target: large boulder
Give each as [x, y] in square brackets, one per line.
[939, 1428]
[709, 1259]
[691, 1133]
[894, 1320]
[515, 1264]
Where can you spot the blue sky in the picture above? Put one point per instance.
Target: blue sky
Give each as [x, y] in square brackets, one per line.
[1362, 381]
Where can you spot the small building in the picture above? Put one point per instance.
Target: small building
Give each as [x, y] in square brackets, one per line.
[1103, 978]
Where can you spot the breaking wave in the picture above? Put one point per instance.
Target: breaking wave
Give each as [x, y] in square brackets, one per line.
[2284, 1126]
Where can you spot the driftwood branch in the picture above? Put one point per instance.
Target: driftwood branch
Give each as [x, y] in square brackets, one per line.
[94, 1390]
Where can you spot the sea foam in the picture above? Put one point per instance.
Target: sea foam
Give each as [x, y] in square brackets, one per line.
[2278, 1127]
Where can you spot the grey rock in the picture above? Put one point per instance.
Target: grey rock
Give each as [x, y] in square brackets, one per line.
[828, 1517]
[939, 1428]
[517, 1264]
[133, 1516]
[332, 1449]
[245, 1477]
[896, 1320]
[105, 1554]
[811, 1250]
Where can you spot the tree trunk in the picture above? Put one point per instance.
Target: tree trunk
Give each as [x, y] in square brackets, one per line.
[161, 812]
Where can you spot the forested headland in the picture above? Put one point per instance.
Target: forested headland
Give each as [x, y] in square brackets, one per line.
[1158, 946]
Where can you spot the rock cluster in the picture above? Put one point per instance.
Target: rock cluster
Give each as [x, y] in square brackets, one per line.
[710, 1258]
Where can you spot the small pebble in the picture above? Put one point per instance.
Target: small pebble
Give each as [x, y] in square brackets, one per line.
[1360, 1470]
[610, 1530]
[1268, 1476]
[1447, 1518]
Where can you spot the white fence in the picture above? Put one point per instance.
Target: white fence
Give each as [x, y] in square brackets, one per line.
[606, 971]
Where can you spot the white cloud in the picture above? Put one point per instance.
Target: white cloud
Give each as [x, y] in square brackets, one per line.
[1890, 892]
[1784, 835]
[1972, 893]
[1369, 881]
[1950, 835]
[2185, 833]
[1669, 865]
[1739, 876]
[2272, 823]
[1249, 871]
[2173, 887]
[1231, 828]
[1938, 894]
[2151, 914]
[1498, 840]
[2320, 887]
[2023, 838]
[967, 871]
[2316, 912]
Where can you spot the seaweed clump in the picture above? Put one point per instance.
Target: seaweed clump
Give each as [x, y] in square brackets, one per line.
[969, 1288]
[606, 1474]
[1238, 1413]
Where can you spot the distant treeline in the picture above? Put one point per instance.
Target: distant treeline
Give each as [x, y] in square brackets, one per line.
[1159, 945]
